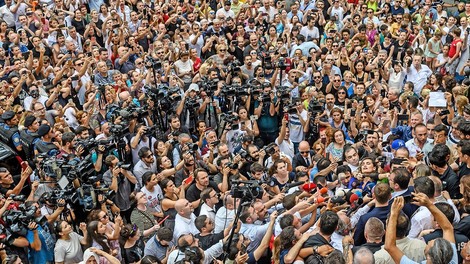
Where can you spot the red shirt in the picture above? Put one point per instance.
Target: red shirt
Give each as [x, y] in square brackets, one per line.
[453, 47]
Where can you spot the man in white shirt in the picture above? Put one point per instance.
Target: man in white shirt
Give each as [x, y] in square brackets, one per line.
[225, 214]
[310, 31]
[184, 220]
[210, 199]
[226, 11]
[422, 219]
[267, 9]
[418, 74]
[6, 14]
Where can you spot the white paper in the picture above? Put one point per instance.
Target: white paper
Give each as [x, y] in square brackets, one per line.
[437, 99]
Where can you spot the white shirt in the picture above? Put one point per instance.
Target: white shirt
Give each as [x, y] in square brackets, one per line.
[29, 100]
[184, 226]
[418, 78]
[153, 198]
[307, 32]
[7, 16]
[207, 211]
[421, 220]
[413, 148]
[223, 217]
[286, 147]
[271, 11]
[226, 14]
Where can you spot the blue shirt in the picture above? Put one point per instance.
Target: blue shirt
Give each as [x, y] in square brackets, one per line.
[46, 253]
[403, 131]
[379, 212]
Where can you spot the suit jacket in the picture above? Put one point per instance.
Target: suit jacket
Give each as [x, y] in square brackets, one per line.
[299, 160]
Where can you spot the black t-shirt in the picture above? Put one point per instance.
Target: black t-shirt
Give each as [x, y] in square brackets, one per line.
[208, 241]
[463, 170]
[79, 26]
[194, 194]
[315, 240]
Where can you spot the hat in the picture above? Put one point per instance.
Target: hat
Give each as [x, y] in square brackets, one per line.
[193, 87]
[43, 130]
[29, 120]
[398, 143]
[7, 115]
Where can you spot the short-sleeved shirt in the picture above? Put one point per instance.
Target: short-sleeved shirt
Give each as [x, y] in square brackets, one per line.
[69, 251]
[405, 260]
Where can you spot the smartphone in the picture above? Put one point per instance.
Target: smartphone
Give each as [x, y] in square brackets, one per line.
[24, 165]
[89, 54]
[444, 112]
[74, 78]
[402, 117]
[382, 93]
[70, 101]
[421, 99]
[188, 180]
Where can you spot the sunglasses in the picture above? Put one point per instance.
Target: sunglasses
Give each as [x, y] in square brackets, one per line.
[304, 152]
[79, 64]
[223, 50]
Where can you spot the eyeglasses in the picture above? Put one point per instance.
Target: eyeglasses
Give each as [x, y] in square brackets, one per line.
[318, 149]
[369, 12]
[223, 50]
[149, 155]
[19, 112]
[304, 152]
[316, 77]
[335, 46]
[79, 64]
[140, 63]
[336, 80]
[104, 217]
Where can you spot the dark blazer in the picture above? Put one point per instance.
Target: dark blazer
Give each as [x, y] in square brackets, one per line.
[298, 160]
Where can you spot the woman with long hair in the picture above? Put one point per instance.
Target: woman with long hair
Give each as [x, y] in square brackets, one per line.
[171, 194]
[251, 126]
[334, 150]
[68, 248]
[96, 237]
[132, 244]
[463, 204]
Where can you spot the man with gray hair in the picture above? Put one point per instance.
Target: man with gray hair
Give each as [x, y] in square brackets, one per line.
[373, 232]
[364, 256]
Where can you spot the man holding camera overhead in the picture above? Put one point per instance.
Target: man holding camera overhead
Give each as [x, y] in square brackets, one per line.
[119, 179]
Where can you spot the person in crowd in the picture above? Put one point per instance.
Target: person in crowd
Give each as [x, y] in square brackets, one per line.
[182, 116]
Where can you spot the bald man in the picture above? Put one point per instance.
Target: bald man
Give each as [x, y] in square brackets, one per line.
[302, 161]
[184, 220]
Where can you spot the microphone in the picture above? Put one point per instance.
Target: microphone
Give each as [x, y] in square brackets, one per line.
[353, 198]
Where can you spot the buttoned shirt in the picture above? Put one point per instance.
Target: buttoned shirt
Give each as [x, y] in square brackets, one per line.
[207, 211]
[223, 217]
[184, 225]
[421, 220]
[412, 248]
[413, 148]
[418, 78]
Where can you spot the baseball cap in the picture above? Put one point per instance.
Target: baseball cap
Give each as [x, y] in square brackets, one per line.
[193, 87]
[398, 143]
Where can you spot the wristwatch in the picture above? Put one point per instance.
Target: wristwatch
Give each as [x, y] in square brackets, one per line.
[315, 249]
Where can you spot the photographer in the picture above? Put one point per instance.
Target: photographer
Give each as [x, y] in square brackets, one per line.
[54, 209]
[119, 180]
[228, 172]
[267, 108]
[175, 128]
[253, 155]
[40, 238]
[190, 107]
[141, 139]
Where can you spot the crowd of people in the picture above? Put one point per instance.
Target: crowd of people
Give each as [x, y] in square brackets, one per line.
[235, 131]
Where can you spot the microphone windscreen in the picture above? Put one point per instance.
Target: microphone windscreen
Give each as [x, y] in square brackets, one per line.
[353, 198]
[308, 187]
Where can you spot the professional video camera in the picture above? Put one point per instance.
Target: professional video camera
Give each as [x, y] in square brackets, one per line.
[245, 190]
[230, 118]
[234, 67]
[17, 219]
[151, 62]
[283, 93]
